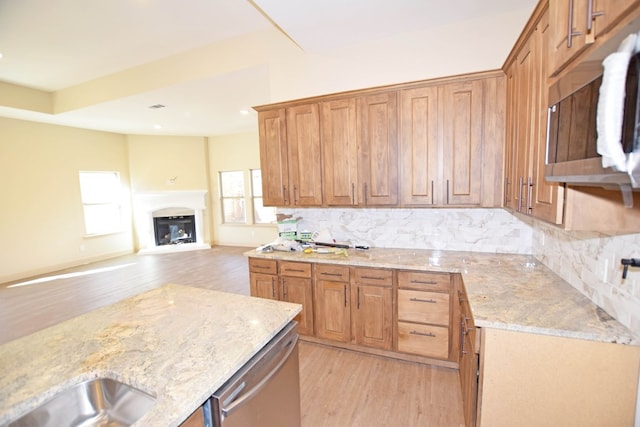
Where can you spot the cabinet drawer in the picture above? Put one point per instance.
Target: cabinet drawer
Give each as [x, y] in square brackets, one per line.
[332, 272]
[424, 340]
[423, 307]
[424, 281]
[373, 276]
[265, 266]
[295, 269]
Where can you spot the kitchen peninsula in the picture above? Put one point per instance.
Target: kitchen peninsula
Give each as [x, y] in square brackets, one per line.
[177, 343]
[543, 352]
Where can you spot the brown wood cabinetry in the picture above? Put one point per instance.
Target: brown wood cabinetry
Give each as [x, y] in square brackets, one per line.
[452, 143]
[424, 314]
[290, 156]
[273, 157]
[332, 304]
[263, 279]
[526, 190]
[452, 133]
[419, 147]
[339, 152]
[372, 307]
[284, 281]
[378, 143]
[468, 357]
[576, 24]
[303, 146]
[295, 286]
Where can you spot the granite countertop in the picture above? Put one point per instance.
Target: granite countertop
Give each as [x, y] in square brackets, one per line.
[505, 291]
[175, 342]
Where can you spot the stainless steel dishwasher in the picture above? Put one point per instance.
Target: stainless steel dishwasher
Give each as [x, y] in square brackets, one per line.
[265, 391]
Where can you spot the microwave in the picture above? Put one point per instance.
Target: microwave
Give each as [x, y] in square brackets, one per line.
[578, 117]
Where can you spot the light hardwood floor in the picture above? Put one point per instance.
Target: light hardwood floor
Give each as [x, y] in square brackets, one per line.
[338, 387]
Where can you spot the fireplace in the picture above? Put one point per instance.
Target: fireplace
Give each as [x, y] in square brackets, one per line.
[170, 221]
[174, 230]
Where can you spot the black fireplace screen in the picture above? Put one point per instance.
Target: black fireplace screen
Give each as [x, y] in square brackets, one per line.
[175, 230]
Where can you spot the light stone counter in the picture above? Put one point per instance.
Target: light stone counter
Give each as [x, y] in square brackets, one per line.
[505, 291]
[177, 343]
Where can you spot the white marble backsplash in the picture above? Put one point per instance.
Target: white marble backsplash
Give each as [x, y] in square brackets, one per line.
[590, 262]
[477, 230]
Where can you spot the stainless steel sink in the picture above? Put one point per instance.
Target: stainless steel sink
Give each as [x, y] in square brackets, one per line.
[101, 402]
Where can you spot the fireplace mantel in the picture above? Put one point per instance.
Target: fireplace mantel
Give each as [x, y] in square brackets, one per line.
[144, 206]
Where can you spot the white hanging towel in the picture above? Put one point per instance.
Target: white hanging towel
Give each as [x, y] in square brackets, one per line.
[611, 105]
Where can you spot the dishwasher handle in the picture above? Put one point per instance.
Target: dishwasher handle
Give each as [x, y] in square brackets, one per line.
[249, 394]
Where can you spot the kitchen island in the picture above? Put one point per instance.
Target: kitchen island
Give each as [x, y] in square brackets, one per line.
[177, 343]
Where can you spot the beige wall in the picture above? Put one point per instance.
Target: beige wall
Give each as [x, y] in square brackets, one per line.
[169, 163]
[41, 219]
[230, 153]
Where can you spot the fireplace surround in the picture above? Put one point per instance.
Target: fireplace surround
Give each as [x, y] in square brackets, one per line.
[180, 216]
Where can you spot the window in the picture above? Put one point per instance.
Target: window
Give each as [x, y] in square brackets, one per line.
[232, 195]
[101, 201]
[261, 214]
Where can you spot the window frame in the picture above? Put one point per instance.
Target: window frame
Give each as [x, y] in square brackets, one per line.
[110, 199]
[241, 198]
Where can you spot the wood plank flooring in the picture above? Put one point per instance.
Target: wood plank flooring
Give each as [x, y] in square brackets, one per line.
[338, 387]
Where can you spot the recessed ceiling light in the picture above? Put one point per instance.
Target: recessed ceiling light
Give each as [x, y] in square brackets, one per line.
[157, 126]
[0, 55]
[244, 112]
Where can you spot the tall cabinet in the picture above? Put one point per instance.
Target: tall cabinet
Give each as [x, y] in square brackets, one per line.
[526, 190]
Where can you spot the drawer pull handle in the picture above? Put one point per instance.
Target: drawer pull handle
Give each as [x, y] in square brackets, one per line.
[428, 334]
[264, 267]
[423, 282]
[373, 277]
[331, 274]
[295, 270]
[431, 301]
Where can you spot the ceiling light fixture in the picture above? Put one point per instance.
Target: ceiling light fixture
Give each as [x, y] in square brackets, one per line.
[244, 112]
[157, 126]
[156, 106]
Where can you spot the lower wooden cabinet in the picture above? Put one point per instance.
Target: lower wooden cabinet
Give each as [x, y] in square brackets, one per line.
[332, 303]
[380, 309]
[372, 308]
[424, 314]
[195, 420]
[468, 357]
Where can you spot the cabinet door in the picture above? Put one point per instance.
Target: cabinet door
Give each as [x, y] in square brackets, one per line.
[273, 157]
[569, 35]
[462, 138]
[195, 420]
[545, 197]
[378, 142]
[511, 177]
[372, 315]
[469, 364]
[263, 286]
[419, 148]
[298, 290]
[605, 14]
[303, 140]
[339, 152]
[332, 310]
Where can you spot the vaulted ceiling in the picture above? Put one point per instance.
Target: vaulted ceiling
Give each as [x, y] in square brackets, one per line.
[101, 64]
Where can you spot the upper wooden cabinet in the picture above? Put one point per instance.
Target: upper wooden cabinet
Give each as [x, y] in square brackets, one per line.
[436, 143]
[378, 147]
[290, 156]
[576, 24]
[305, 168]
[273, 157]
[526, 190]
[452, 143]
[419, 147]
[340, 152]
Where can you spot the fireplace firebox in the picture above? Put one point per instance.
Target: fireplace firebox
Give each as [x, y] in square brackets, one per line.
[174, 230]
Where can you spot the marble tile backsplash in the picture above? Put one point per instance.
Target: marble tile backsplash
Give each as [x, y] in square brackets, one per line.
[478, 230]
[588, 261]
